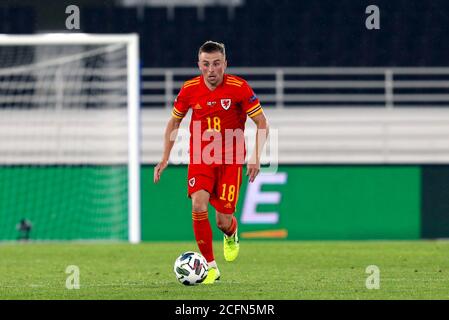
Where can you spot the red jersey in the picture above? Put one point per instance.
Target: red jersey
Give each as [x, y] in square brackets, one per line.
[218, 118]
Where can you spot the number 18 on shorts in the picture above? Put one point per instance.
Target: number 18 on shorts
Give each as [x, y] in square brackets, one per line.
[222, 182]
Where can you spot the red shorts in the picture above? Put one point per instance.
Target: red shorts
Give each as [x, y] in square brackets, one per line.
[221, 181]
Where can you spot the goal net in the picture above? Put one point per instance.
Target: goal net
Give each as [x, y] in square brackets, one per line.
[69, 149]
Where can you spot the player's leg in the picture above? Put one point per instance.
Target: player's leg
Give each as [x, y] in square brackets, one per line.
[225, 202]
[200, 185]
[203, 233]
[201, 224]
[225, 222]
[228, 224]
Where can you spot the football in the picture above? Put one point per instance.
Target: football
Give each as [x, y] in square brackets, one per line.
[190, 268]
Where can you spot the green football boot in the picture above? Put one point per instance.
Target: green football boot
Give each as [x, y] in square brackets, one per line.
[231, 247]
[213, 275]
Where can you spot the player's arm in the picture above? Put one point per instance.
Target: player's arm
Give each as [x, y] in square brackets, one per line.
[180, 108]
[171, 132]
[253, 167]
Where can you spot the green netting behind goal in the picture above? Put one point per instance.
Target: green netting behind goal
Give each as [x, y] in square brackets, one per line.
[64, 202]
[69, 137]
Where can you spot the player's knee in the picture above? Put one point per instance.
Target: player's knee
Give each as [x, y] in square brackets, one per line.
[200, 200]
[198, 205]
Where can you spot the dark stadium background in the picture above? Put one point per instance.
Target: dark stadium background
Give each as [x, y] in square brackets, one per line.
[261, 32]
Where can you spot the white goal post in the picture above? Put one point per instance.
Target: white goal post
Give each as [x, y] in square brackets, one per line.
[8, 71]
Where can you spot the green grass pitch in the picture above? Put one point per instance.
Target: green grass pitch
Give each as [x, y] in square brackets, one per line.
[281, 270]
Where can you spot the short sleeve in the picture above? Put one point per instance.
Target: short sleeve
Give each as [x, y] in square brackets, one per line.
[250, 104]
[181, 105]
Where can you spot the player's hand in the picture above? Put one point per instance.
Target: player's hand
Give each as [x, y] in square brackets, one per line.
[158, 170]
[252, 171]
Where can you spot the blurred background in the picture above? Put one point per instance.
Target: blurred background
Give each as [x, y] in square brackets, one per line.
[256, 32]
[360, 117]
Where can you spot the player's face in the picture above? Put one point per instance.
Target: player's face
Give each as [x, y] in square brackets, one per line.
[212, 66]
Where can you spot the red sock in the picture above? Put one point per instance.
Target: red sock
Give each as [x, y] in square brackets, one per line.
[232, 228]
[203, 234]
